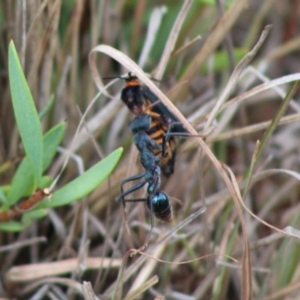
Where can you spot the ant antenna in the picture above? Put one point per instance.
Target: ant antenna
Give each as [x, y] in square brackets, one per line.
[131, 76]
[113, 77]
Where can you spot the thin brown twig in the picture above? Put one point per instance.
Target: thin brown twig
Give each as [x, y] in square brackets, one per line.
[25, 205]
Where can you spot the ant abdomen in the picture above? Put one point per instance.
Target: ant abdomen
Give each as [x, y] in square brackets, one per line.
[160, 206]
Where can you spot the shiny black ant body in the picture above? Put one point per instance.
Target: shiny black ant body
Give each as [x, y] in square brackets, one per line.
[157, 201]
[150, 162]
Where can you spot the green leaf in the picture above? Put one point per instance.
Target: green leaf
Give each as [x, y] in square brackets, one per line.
[208, 2]
[46, 109]
[84, 184]
[12, 226]
[221, 61]
[52, 140]
[26, 115]
[23, 181]
[34, 214]
[46, 181]
[3, 198]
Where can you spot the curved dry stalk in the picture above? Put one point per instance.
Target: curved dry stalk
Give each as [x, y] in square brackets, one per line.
[251, 129]
[172, 39]
[144, 287]
[153, 26]
[260, 88]
[246, 292]
[212, 42]
[235, 76]
[31, 272]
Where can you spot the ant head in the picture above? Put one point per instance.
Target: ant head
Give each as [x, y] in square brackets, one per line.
[131, 76]
[131, 79]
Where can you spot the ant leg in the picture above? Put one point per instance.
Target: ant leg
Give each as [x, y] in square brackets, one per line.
[120, 198]
[169, 134]
[152, 190]
[132, 178]
[151, 223]
[129, 191]
[136, 200]
[145, 245]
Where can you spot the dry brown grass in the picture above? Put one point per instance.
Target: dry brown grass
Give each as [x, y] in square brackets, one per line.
[235, 201]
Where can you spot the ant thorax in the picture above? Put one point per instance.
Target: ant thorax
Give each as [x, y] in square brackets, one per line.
[140, 123]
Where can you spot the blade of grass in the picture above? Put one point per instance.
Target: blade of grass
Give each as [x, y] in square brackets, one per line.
[138, 292]
[22, 184]
[85, 183]
[263, 87]
[31, 272]
[26, 115]
[246, 292]
[213, 41]
[267, 135]
[154, 24]
[235, 76]
[172, 39]
[278, 116]
[252, 128]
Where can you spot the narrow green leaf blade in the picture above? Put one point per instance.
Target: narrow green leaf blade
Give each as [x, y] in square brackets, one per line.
[26, 115]
[47, 108]
[84, 184]
[3, 198]
[23, 180]
[12, 226]
[34, 214]
[22, 183]
[51, 141]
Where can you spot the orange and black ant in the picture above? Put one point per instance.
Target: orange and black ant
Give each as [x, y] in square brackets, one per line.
[164, 125]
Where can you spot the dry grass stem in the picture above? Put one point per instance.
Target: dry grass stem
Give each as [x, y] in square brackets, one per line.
[235, 207]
